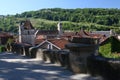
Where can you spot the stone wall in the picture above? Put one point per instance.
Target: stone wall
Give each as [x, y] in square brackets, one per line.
[80, 50]
[108, 68]
[59, 57]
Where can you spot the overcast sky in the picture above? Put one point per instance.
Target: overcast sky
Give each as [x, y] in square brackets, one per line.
[19, 6]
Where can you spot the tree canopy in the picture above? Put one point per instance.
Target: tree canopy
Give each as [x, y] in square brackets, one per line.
[73, 19]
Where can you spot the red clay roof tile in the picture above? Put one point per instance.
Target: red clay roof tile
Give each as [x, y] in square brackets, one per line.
[59, 42]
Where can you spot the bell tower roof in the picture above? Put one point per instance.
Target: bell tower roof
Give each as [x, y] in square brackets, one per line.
[27, 25]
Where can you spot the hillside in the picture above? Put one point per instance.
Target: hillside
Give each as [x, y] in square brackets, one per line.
[72, 19]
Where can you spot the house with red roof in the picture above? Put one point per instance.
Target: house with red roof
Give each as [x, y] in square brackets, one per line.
[53, 44]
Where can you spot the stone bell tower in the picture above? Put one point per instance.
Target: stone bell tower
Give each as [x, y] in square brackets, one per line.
[27, 33]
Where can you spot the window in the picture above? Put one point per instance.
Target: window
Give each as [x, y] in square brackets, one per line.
[49, 46]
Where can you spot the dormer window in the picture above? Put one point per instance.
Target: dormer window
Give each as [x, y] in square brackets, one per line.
[49, 46]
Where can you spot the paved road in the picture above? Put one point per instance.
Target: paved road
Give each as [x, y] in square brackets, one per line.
[16, 67]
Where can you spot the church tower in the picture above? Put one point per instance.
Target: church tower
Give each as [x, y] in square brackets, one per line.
[27, 33]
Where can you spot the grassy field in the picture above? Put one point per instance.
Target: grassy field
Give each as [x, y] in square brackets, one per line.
[67, 25]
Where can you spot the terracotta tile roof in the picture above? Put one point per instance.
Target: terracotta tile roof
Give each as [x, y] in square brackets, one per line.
[68, 33]
[81, 33]
[100, 36]
[84, 34]
[47, 32]
[103, 33]
[95, 35]
[59, 42]
[38, 41]
[40, 37]
[67, 36]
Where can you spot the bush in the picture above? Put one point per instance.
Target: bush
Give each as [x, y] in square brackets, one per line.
[110, 48]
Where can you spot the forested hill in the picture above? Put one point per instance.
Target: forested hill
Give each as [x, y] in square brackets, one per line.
[108, 17]
[72, 19]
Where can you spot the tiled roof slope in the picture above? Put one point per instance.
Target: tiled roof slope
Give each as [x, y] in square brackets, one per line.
[38, 41]
[59, 42]
[47, 32]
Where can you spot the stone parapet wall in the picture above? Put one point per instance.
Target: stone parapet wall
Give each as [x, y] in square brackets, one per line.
[80, 50]
[53, 56]
[108, 68]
